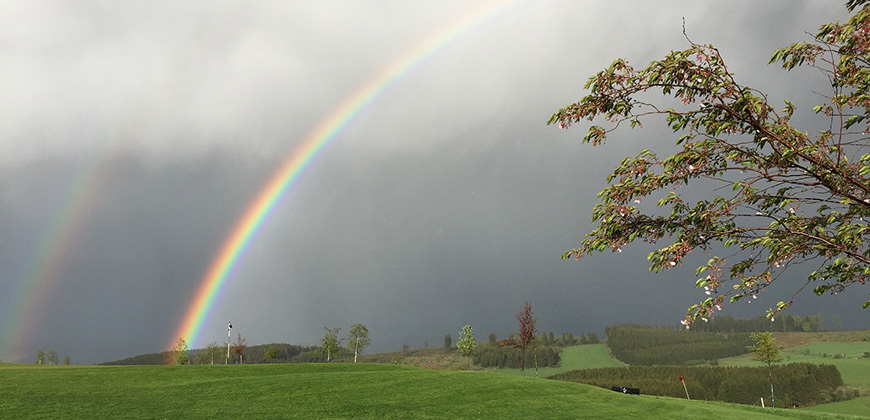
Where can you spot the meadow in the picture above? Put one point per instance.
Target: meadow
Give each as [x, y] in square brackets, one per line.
[330, 391]
[857, 406]
[587, 356]
[854, 368]
[845, 350]
[846, 356]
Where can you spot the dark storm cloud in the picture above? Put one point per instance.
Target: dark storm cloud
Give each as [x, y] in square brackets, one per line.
[446, 202]
[139, 245]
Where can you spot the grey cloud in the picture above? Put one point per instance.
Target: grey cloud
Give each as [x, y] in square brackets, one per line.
[446, 201]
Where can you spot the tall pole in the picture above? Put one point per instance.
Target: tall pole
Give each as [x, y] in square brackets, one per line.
[229, 327]
[772, 400]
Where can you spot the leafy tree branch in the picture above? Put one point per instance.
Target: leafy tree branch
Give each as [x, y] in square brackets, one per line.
[794, 197]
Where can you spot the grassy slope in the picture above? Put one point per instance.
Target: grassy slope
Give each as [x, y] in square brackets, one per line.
[857, 406]
[329, 391]
[794, 339]
[587, 356]
[854, 369]
[434, 358]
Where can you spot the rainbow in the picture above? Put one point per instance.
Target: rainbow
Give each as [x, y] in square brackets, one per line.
[60, 237]
[313, 144]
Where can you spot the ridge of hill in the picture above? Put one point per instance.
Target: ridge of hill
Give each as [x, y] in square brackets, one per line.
[795, 339]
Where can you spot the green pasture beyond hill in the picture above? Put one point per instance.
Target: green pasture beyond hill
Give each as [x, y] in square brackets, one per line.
[329, 391]
[846, 356]
[586, 356]
[853, 367]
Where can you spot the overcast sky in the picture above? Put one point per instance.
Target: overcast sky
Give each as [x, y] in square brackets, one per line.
[134, 135]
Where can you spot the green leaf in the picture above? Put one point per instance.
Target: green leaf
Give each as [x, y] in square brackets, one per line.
[854, 119]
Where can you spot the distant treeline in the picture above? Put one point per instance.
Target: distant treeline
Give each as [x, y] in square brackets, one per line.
[646, 345]
[509, 357]
[287, 353]
[781, 323]
[253, 355]
[143, 359]
[548, 347]
[568, 339]
[796, 384]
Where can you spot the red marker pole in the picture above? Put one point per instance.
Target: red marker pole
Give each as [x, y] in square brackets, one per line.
[684, 387]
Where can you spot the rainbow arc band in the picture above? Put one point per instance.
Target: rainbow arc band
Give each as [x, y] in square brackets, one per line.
[314, 143]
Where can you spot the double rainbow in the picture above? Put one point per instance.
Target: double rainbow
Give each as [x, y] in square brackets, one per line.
[258, 211]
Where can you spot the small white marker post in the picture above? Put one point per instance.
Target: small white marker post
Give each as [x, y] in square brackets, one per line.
[229, 327]
[762, 402]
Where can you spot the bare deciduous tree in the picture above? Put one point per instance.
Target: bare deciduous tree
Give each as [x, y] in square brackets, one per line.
[526, 337]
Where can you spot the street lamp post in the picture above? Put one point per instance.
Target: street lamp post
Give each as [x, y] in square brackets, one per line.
[229, 327]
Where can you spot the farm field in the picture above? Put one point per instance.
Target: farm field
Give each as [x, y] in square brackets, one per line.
[853, 367]
[330, 391]
[587, 356]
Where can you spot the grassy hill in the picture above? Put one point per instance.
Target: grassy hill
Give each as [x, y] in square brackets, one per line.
[858, 406]
[854, 368]
[433, 358]
[845, 350]
[330, 391]
[794, 339]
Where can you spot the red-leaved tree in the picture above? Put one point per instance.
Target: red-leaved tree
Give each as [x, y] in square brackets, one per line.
[526, 336]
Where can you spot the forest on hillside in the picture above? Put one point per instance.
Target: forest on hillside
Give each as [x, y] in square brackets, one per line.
[705, 342]
[282, 352]
[782, 323]
[646, 345]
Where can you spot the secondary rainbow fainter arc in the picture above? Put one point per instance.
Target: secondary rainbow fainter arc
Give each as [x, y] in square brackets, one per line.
[35, 289]
[317, 140]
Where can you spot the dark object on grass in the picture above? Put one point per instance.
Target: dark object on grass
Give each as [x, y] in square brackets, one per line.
[626, 390]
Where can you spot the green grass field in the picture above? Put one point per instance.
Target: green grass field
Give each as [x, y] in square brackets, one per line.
[857, 406]
[330, 391]
[587, 356]
[854, 369]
